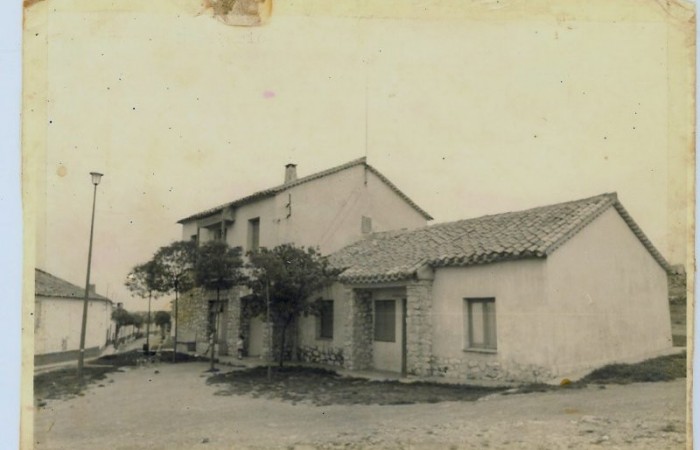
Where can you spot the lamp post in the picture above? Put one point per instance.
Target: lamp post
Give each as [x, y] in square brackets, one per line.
[269, 329]
[96, 177]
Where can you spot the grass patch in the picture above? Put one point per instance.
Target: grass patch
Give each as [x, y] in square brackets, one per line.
[325, 387]
[664, 368]
[64, 383]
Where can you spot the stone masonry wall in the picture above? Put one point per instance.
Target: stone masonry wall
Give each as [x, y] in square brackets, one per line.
[321, 355]
[419, 331]
[192, 319]
[476, 366]
[357, 351]
[232, 318]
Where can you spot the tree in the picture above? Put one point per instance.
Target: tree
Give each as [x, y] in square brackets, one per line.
[218, 267]
[121, 318]
[137, 321]
[145, 281]
[290, 276]
[175, 264]
[162, 320]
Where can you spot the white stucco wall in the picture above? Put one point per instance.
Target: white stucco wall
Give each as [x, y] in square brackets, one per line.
[308, 328]
[58, 324]
[607, 298]
[325, 213]
[519, 290]
[328, 212]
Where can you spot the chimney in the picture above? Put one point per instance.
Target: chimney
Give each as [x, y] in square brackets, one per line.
[290, 173]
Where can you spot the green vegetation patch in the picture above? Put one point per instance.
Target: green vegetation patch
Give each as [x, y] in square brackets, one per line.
[325, 387]
[663, 368]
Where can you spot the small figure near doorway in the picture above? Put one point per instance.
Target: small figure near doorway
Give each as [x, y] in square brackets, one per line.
[240, 344]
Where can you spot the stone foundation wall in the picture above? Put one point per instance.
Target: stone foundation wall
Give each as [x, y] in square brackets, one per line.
[487, 367]
[357, 350]
[321, 355]
[193, 312]
[192, 319]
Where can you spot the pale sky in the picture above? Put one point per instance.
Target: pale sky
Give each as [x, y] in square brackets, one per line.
[469, 114]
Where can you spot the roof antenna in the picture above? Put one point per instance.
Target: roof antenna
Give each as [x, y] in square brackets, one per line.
[366, 122]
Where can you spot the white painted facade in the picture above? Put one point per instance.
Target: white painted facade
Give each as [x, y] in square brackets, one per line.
[600, 298]
[326, 213]
[57, 324]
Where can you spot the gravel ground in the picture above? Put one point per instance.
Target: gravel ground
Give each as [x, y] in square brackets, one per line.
[176, 409]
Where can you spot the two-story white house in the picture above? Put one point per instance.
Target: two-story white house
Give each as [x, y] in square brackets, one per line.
[327, 210]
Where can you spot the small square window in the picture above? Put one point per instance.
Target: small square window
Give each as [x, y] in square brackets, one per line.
[480, 323]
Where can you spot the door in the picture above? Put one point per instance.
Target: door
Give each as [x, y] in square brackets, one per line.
[255, 337]
[388, 346]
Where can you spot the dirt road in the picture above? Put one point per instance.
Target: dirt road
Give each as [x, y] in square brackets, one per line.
[176, 409]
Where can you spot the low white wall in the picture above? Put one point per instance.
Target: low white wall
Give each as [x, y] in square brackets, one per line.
[58, 323]
[323, 348]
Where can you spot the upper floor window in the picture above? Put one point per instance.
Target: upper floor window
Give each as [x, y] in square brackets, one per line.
[480, 323]
[254, 234]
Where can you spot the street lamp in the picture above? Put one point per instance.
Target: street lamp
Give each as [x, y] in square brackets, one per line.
[96, 177]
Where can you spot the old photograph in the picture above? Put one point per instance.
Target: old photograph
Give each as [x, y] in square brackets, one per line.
[401, 224]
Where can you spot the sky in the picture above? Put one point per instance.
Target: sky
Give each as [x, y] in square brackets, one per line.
[468, 113]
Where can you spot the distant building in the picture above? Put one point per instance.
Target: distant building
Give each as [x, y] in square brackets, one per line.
[58, 313]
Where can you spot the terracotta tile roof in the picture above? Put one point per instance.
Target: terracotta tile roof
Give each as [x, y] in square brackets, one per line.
[47, 285]
[274, 190]
[533, 233]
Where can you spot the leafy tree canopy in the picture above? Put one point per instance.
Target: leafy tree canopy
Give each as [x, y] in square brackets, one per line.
[175, 263]
[162, 318]
[145, 280]
[293, 276]
[218, 266]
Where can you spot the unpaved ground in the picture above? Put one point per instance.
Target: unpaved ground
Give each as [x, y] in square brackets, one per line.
[175, 408]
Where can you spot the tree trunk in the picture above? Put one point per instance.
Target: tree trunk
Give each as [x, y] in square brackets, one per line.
[283, 339]
[213, 315]
[116, 335]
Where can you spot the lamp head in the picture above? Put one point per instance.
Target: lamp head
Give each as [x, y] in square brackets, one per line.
[96, 177]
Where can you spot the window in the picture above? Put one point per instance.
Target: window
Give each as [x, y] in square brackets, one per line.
[385, 320]
[480, 323]
[254, 234]
[325, 320]
[366, 225]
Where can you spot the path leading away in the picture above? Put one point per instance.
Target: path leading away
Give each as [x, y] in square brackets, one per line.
[176, 409]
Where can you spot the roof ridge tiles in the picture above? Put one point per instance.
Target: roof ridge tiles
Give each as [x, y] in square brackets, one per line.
[530, 233]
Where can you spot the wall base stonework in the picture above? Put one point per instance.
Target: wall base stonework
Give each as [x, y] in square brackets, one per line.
[488, 368]
[192, 319]
[321, 355]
